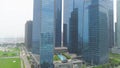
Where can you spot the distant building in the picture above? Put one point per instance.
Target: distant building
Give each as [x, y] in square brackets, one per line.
[111, 23]
[68, 8]
[58, 23]
[73, 32]
[115, 34]
[65, 35]
[28, 35]
[118, 23]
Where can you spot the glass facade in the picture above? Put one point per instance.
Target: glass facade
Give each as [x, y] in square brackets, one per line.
[83, 30]
[36, 27]
[88, 28]
[58, 22]
[73, 31]
[65, 35]
[97, 52]
[47, 33]
[78, 36]
[111, 23]
[68, 7]
[118, 23]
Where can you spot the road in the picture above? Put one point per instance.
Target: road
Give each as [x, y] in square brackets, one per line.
[24, 58]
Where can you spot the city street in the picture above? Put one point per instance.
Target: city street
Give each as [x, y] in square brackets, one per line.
[23, 56]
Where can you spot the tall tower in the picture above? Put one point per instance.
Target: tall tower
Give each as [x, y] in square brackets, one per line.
[111, 23]
[98, 47]
[58, 22]
[118, 23]
[36, 27]
[44, 32]
[28, 35]
[73, 32]
[68, 8]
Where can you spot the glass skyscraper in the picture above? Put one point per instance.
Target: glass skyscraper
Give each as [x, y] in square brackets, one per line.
[111, 23]
[44, 31]
[118, 23]
[98, 43]
[47, 33]
[68, 7]
[89, 28]
[58, 22]
[73, 31]
[65, 35]
[76, 17]
[36, 27]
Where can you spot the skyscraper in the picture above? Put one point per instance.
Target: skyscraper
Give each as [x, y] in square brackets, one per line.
[98, 47]
[47, 33]
[73, 32]
[68, 8]
[65, 35]
[78, 9]
[36, 27]
[58, 22]
[28, 35]
[118, 23]
[44, 20]
[115, 34]
[111, 23]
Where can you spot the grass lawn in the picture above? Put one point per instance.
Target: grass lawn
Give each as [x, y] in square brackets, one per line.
[11, 53]
[10, 63]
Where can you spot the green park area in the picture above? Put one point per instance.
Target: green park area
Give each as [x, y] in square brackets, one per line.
[9, 58]
[12, 52]
[10, 63]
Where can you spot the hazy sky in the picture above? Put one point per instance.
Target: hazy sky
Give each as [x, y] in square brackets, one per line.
[13, 16]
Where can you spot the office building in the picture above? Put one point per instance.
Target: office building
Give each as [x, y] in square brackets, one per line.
[68, 8]
[58, 22]
[98, 47]
[73, 32]
[111, 23]
[78, 27]
[44, 17]
[28, 35]
[118, 23]
[115, 34]
[47, 33]
[64, 35]
[36, 27]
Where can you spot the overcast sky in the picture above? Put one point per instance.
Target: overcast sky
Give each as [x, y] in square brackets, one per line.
[13, 16]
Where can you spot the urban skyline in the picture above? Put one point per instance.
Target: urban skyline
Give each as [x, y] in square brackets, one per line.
[67, 34]
[26, 14]
[89, 32]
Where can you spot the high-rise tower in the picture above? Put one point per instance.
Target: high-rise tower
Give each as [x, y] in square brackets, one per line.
[44, 31]
[58, 23]
[98, 46]
[118, 23]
